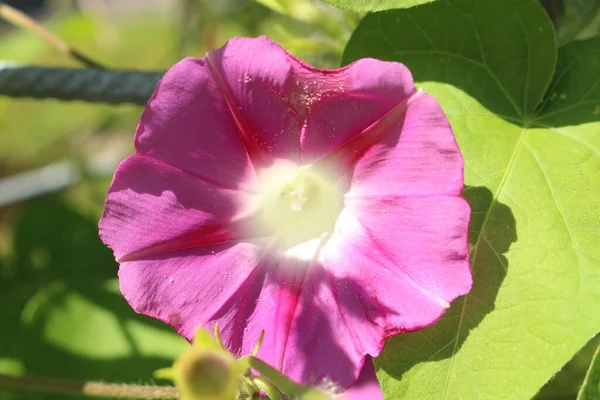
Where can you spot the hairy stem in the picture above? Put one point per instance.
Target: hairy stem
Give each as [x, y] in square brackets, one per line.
[23, 21]
[93, 389]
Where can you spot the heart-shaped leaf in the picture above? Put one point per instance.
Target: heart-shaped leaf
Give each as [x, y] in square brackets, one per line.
[527, 122]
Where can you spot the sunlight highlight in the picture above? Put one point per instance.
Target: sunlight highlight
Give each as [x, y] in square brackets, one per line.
[299, 205]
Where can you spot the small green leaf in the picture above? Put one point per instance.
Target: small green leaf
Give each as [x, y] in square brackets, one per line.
[591, 385]
[376, 5]
[164, 373]
[203, 340]
[530, 135]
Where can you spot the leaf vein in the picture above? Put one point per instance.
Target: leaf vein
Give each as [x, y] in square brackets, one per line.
[476, 248]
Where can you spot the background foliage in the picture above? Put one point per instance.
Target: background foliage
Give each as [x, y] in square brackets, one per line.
[526, 115]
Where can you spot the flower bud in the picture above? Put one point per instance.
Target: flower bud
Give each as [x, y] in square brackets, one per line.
[207, 375]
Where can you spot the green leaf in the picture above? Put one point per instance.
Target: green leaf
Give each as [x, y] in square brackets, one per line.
[530, 135]
[203, 340]
[275, 5]
[376, 5]
[591, 385]
[91, 321]
[62, 314]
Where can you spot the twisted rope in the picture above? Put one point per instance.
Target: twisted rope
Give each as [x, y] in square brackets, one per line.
[86, 84]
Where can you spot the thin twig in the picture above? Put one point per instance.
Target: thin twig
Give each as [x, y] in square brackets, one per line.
[93, 389]
[21, 20]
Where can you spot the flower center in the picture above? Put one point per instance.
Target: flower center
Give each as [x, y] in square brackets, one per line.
[298, 203]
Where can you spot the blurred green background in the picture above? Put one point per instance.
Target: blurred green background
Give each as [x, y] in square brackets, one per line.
[61, 313]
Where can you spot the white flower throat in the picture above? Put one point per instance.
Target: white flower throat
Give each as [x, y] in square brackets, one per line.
[298, 204]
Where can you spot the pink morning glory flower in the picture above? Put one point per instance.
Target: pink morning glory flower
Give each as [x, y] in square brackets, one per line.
[321, 206]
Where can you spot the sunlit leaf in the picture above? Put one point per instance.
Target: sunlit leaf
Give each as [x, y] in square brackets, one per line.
[531, 144]
[376, 5]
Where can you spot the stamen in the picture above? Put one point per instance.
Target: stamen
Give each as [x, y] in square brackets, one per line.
[298, 204]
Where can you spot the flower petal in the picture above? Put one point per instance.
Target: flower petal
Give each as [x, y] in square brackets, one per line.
[187, 288]
[153, 207]
[426, 237]
[409, 152]
[331, 332]
[392, 297]
[188, 124]
[185, 279]
[366, 91]
[297, 307]
[287, 107]
[256, 76]
[271, 297]
[366, 386]
[233, 285]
